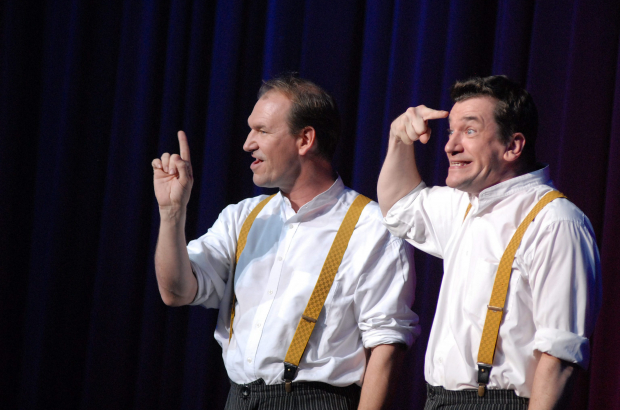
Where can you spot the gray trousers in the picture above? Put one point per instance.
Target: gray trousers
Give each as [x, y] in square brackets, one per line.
[440, 398]
[305, 396]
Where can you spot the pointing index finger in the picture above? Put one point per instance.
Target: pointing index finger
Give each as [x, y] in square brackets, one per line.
[431, 114]
[184, 146]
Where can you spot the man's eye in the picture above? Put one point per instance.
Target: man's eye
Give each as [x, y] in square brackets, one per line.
[450, 132]
[470, 131]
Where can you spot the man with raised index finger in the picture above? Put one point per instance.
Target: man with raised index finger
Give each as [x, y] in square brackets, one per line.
[313, 292]
[521, 287]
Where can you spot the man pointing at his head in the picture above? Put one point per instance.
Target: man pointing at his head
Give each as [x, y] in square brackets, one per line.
[521, 287]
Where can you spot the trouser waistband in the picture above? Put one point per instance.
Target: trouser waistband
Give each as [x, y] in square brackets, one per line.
[259, 386]
[305, 395]
[440, 398]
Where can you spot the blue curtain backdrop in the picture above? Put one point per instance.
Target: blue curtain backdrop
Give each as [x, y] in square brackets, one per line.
[90, 92]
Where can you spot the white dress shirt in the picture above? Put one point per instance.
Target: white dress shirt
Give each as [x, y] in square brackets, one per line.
[555, 289]
[368, 304]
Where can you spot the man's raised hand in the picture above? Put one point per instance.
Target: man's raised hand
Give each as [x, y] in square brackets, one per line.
[412, 125]
[172, 177]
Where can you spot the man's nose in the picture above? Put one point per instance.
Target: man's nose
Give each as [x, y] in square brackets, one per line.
[453, 144]
[250, 144]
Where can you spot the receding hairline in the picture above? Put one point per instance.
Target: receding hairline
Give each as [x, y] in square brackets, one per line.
[265, 96]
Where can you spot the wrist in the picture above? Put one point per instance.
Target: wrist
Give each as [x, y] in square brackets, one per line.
[396, 142]
[172, 214]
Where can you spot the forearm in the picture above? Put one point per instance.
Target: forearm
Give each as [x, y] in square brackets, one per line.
[177, 284]
[552, 381]
[383, 366]
[399, 174]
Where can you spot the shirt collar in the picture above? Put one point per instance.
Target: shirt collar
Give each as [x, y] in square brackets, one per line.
[322, 200]
[496, 193]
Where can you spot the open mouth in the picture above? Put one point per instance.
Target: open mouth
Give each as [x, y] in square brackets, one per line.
[256, 163]
[459, 164]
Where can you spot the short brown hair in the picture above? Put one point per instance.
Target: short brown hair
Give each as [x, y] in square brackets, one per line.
[515, 110]
[311, 106]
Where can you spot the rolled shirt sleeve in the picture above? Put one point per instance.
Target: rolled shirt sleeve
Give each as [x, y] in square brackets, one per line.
[426, 217]
[385, 294]
[566, 289]
[212, 255]
[400, 219]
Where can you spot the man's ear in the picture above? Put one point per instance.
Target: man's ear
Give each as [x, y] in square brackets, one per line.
[307, 141]
[514, 149]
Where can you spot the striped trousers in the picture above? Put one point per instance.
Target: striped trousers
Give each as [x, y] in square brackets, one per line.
[305, 396]
[439, 398]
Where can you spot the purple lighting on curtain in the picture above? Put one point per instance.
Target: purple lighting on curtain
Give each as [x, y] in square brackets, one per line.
[90, 92]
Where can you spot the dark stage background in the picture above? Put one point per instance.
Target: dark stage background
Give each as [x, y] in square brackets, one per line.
[90, 92]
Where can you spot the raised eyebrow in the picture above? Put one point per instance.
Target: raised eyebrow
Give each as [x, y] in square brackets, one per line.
[468, 118]
[471, 118]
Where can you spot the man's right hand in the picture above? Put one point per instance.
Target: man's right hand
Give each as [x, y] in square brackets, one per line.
[412, 125]
[173, 178]
[399, 174]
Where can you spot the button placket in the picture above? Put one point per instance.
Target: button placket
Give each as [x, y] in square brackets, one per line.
[288, 238]
[265, 306]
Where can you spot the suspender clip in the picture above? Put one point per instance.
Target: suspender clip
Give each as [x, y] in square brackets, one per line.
[308, 318]
[290, 371]
[484, 370]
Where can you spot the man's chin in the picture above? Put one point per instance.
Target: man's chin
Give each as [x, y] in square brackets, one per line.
[458, 184]
[262, 183]
[453, 183]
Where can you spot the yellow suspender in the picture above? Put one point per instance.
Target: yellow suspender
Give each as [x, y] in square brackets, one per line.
[326, 277]
[321, 289]
[243, 239]
[495, 307]
[466, 212]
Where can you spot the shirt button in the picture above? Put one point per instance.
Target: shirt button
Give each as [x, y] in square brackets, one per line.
[280, 258]
[271, 292]
[258, 325]
[249, 360]
[290, 227]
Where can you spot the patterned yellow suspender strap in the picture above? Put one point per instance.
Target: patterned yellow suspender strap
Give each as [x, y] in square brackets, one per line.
[495, 307]
[243, 239]
[321, 289]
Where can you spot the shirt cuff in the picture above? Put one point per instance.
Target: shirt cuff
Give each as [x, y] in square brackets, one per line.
[392, 220]
[376, 337]
[202, 292]
[563, 345]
